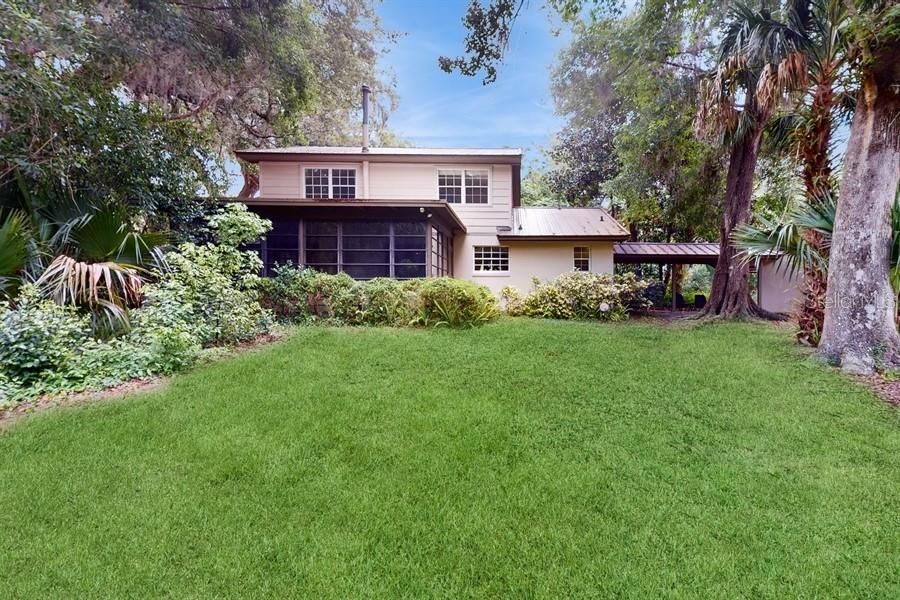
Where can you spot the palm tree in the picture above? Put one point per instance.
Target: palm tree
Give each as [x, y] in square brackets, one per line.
[100, 263]
[816, 32]
[736, 104]
[14, 237]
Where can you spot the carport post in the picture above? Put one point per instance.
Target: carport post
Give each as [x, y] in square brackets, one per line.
[672, 277]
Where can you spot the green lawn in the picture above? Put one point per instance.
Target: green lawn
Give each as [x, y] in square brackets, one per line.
[522, 459]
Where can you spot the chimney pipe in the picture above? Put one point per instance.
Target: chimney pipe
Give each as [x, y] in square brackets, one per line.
[365, 121]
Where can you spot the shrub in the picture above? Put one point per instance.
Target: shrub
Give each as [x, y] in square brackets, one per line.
[581, 295]
[46, 348]
[298, 295]
[219, 282]
[208, 295]
[286, 292]
[335, 297]
[454, 303]
[38, 336]
[388, 302]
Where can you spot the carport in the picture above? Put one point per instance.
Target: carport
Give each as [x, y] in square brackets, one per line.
[666, 253]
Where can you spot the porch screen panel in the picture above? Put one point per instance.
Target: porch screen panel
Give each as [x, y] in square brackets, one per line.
[321, 245]
[367, 249]
[440, 253]
[282, 244]
[409, 250]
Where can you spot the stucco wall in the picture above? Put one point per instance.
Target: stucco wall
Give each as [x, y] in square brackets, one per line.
[544, 260]
[776, 290]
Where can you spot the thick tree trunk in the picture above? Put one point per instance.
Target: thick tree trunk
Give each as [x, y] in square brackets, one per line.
[730, 293]
[859, 316]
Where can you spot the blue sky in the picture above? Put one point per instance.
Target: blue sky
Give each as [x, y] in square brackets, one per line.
[440, 109]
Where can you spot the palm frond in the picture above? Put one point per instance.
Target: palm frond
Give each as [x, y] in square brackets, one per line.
[107, 286]
[785, 237]
[14, 251]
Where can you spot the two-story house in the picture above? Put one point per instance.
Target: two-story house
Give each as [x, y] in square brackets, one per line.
[416, 212]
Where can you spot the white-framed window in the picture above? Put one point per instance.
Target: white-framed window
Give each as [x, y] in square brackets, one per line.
[324, 182]
[464, 186]
[491, 259]
[582, 258]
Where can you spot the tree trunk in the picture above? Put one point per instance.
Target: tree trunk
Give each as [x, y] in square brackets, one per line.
[815, 147]
[251, 181]
[730, 293]
[859, 316]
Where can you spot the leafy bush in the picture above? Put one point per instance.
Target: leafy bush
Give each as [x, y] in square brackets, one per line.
[455, 303]
[47, 348]
[218, 282]
[580, 295]
[38, 336]
[286, 292]
[208, 295]
[388, 302]
[299, 295]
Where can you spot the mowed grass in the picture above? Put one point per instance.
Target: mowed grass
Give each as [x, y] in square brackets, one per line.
[522, 459]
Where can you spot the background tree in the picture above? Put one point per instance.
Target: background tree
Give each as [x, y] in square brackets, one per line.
[537, 191]
[628, 98]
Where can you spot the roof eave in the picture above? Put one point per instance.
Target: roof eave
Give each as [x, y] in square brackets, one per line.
[257, 157]
[303, 203]
[562, 238]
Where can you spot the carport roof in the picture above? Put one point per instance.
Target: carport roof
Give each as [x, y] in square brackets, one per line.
[682, 253]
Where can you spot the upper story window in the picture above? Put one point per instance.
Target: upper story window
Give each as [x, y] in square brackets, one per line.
[337, 183]
[582, 258]
[463, 186]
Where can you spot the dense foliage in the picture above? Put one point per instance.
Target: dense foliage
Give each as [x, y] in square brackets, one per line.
[303, 295]
[579, 295]
[207, 295]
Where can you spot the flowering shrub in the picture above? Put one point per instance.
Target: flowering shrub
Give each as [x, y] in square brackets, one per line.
[579, 295]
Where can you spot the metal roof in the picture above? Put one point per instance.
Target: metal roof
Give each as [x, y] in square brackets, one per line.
[547, 223]
[666, 253]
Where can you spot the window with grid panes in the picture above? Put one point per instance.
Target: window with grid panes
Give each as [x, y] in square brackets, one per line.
[316, 181]
[463, 186]
[582, 258]
[322, 183]
[476, 187]
[491, 259]
[450, 186]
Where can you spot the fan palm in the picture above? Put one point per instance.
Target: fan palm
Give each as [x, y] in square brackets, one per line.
[14, 238]
[737, 103]
[100, 263]
[788, 238]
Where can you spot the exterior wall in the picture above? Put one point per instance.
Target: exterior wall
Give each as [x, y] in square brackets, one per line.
[401, 181]
[279, 180]
[544, 260]
[414, 181]
[776, 290]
